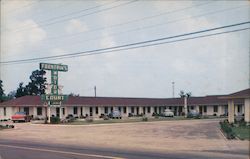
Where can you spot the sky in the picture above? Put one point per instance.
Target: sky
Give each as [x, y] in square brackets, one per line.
[204, 66]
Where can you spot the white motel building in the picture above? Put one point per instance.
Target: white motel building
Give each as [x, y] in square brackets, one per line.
[237, 103]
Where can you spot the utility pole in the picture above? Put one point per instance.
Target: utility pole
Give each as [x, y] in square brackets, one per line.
[173, 88]
[95, 90]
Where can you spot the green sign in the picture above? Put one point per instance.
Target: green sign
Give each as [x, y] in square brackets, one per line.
[50, 97]
[54, 98]
[54, 67]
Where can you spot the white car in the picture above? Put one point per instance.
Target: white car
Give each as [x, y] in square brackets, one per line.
[168, 113]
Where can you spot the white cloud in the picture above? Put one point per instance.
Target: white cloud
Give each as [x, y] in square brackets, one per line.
[57, 51]
[106, 40]
[76, 25]
[16, 41]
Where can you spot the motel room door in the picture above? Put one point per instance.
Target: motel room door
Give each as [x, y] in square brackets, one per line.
[57, 111]
[200, 110]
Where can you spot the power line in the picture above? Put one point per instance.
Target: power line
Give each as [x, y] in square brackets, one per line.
[79, 16]
[132, 44]
[61, 16]
[133, 21]
[123, 23]
[146, 27]
[154, 44]
[136, 47]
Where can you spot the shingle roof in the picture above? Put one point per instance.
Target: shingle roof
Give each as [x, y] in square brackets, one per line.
[117, 101]
[240, 94]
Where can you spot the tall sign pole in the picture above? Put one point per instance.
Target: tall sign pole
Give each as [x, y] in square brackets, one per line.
[53, 98]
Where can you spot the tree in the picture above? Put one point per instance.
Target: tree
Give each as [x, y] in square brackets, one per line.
[11, 95]
[21, 91]
[37, 84]
[185, 96]
[74, 95]
[1, 91]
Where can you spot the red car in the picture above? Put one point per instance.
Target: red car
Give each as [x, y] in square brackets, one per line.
[20, 116]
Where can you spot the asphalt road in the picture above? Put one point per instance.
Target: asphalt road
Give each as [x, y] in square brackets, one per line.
[10, 149]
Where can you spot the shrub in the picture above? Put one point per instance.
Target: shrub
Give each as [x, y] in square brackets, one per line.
[130, 115]
[54, 120]
[144, 118]
[227, 129]
[89, 119]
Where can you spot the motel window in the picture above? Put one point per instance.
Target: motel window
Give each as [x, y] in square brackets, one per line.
[39, 111]
[96, 110]
[26, 110]
[106, 110]
[124, 110]
[132, 109]
[4, 111]
[192, 107]
[155, 109]
[148, 109]
[75, 110]
[63, 111]
[205, 109]
[215, 108]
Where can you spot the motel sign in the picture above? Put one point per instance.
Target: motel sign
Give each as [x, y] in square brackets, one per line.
[54, 98]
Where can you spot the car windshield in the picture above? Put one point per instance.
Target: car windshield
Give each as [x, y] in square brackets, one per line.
[20, 113]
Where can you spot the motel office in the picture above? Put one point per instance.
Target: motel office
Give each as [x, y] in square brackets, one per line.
[95, 106]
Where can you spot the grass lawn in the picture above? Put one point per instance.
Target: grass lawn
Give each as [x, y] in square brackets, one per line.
[127, 120]
[242, 132]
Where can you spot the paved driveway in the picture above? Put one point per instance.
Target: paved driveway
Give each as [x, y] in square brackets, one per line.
[165, 136]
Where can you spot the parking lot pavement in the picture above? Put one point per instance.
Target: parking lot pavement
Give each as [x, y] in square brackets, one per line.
[165, 136]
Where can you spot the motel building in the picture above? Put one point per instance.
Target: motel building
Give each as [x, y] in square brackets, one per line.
[212, 105]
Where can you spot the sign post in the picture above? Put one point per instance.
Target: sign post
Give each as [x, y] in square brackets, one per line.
[53, 98]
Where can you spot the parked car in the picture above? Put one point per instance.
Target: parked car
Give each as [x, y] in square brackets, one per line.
[21, 116]
[168, 113]
[115, 115]
[193, 114]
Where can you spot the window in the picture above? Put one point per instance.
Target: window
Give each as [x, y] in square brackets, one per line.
[170, 107]
[192, 107]
[215, 108]
[205, 109]
[96, 110]
[75, 110]
[124, 110]
[148, 109]
[144, 110]
[106, 110]
[119, 108]
[132, 109]
[26, 110]
[155, 109]
[111, 109]
[4, 111]
[39, 111]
